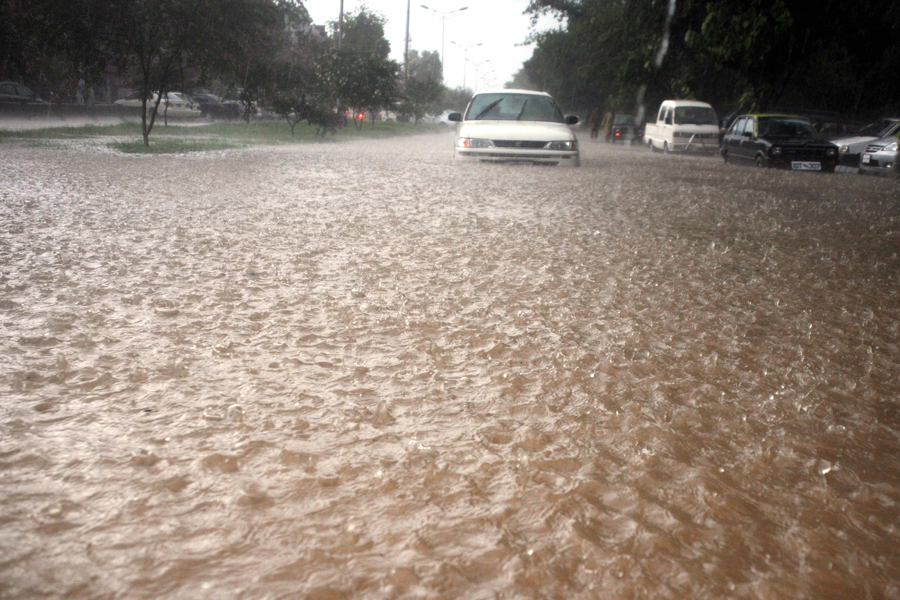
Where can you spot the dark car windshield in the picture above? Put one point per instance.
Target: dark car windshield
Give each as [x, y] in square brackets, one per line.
[514, 107]
[695, 115]
[880, 129]
[785, 126]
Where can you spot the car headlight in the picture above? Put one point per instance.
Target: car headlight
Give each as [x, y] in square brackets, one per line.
[777, 150]
[831, 152]
[845, 149]
[892, 147]
[568, 145]
[474, 143]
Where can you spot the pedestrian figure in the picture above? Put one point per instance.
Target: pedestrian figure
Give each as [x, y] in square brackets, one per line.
[596, 123]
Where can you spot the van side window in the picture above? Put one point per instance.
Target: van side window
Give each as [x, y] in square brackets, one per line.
[662, 114]
[669, 114]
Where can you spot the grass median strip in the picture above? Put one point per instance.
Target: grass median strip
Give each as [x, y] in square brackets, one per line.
[178, 139]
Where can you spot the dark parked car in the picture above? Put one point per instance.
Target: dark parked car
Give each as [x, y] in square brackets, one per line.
[11, 92]
[625, 128]
[781, 141]
[212, 107]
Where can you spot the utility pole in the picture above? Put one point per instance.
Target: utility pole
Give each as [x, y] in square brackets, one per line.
[341, 24]
[406, 47]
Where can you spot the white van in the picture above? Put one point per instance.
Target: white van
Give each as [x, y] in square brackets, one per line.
[682, 126]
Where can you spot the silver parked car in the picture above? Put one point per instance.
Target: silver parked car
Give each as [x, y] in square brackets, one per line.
[850, 148]
[880, 157]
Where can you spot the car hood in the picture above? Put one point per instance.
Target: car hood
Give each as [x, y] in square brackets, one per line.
[516, 130]
[856, 143]
[797, 141]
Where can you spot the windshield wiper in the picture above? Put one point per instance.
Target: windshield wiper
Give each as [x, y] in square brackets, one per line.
[524, 104]
[488, 109]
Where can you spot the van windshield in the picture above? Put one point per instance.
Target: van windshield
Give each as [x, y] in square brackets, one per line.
[695, 115]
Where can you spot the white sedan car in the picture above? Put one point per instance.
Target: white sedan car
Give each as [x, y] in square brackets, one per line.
[515, 126]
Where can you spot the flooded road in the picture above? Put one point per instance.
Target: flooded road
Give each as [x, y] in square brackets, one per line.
[359, 370]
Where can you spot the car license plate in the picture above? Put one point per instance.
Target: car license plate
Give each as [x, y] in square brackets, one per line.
[866, 158]
[799, 165]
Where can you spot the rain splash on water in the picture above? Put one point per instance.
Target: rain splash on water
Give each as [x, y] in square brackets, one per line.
[361, 371]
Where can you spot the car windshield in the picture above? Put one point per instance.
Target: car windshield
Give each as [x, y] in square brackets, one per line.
[623, 120]
[695, 115]
[785, 126]
[514, 107]
[879, 129]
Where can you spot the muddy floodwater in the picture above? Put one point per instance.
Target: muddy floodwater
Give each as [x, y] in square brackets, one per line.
[360, 371]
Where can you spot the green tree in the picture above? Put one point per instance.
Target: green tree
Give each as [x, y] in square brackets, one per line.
[359, 75]
[456, 99]
[422, 87]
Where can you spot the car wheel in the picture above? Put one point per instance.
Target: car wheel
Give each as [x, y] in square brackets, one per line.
[666, 148]
[760, 162]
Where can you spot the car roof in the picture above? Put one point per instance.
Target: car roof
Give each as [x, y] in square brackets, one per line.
[511, 91]
[686, 103]
[780, 115]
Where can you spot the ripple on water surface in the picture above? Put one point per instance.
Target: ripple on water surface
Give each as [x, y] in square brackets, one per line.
[362, 371]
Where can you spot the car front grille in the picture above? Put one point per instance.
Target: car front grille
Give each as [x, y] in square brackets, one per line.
[807, 151]
[874, 147]
[518, 144]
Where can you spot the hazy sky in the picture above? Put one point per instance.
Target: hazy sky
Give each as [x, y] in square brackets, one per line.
[498, 25]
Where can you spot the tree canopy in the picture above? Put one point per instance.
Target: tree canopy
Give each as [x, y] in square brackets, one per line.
[834, 56]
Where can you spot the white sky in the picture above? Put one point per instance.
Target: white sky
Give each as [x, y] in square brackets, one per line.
[498, 25]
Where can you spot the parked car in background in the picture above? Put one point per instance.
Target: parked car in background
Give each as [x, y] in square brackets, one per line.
[881, 157]
[134, 99]
[626, 129]
[439, 119]
[682, 126]
[177, 104]
[11, 92]
[780, 141]
[213, 108]
[851, 147]
[173, 104]
[509, 125]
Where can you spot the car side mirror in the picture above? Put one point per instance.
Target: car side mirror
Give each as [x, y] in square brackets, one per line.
[455, 117]
[571, 120]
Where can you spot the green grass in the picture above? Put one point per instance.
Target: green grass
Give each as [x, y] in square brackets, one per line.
[176, 139]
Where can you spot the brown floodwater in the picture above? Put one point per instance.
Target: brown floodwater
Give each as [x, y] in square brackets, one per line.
[359, 370]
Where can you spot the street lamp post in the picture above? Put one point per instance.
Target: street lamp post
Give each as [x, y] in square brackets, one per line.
[443, 15]
[465, 50]
[477, 65]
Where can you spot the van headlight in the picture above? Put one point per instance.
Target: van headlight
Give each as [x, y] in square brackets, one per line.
[567, 145]
[474, 143]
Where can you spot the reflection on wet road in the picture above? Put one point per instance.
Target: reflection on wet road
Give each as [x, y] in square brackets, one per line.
[361, 371]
